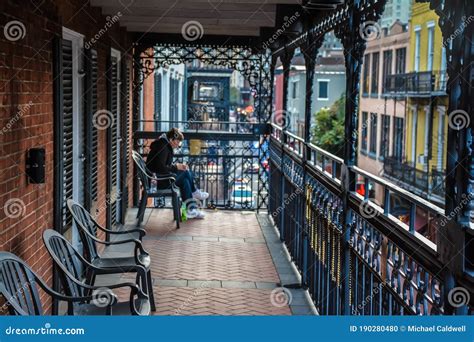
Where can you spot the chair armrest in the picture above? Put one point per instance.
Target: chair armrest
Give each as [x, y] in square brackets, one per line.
[162, 176]
[141, 232]
[138, 246]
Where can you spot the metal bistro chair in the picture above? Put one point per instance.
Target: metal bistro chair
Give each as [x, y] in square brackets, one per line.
[146, 177]
[108, 265]
[73, 275]
[19, 287]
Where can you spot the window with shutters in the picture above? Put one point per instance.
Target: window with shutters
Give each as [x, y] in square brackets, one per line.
[125, 141]
[67, 130]
[91, 129]
[113, 141]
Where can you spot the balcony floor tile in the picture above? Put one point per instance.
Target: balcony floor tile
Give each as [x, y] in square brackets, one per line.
[217, 266]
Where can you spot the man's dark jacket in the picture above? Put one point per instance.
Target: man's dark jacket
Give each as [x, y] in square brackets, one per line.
[160, 159]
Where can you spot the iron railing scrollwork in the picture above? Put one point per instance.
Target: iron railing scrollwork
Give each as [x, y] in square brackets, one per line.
[392, 269]
[254, 66]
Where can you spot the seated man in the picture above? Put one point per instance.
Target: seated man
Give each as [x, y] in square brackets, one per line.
[160, 161]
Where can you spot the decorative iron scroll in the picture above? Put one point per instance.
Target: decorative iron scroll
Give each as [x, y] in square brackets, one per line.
[237, 58]
[255, 67]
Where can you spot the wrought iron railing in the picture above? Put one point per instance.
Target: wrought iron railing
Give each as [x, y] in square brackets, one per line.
[416, 83]
[425, 183]
[230, 164]
[355, 257]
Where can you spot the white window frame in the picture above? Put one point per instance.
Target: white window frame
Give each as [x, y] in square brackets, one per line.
[413, 133]
[417, 48]
[327, 81]
[430, 51]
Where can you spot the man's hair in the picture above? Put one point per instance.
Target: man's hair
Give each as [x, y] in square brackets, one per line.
[175, 133]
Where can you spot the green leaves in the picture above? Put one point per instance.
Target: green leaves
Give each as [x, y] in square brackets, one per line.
[328, 129]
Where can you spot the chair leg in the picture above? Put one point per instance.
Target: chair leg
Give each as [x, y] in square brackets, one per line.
[176, 210]
[150, 290]
[142, 209]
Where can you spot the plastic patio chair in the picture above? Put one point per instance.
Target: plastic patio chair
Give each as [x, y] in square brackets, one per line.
[108, 265]
[146, 178]
[74, 271]
[19, 287]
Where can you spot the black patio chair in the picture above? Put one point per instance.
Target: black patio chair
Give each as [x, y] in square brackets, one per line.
[82, 216]
[146, 178]
[19, 287]
[75, 271]
[109, 265]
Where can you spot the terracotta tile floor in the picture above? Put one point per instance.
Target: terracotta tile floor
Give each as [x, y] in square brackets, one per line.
[217, 266]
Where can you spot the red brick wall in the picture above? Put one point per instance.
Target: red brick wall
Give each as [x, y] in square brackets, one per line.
[26, 115]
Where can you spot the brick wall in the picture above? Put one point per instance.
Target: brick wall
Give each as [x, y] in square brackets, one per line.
[26, 115]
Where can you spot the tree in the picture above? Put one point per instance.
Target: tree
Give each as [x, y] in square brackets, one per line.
[328, 129]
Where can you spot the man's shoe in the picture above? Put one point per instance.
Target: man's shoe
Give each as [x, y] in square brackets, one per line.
[200, 195]
[195, 213]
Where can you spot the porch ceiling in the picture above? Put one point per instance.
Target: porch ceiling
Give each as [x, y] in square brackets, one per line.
[217, 17]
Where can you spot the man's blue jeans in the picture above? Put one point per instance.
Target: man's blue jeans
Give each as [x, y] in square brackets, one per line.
[185, 183]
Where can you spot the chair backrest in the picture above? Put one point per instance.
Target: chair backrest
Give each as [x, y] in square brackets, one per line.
[69, 261]
[18, 286]
[143, 173]
[87, 227]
